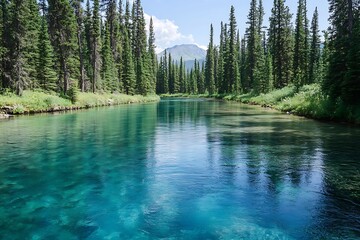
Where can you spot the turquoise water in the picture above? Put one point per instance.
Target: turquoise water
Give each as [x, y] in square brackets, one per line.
[178, 169]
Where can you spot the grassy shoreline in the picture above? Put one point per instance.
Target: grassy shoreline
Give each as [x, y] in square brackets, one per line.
[39, 102]
[307, 101]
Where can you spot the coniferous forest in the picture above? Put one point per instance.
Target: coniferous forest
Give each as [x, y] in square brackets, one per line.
[291, 52]
[67, 46]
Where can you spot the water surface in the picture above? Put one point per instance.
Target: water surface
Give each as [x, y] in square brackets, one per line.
[178, 169]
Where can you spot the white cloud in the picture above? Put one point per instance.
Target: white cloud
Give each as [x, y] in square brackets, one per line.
[167, 33]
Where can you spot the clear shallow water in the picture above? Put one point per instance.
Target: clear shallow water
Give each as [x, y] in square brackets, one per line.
[179, 169]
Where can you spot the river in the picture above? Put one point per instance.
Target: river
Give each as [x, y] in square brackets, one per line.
[178, 169]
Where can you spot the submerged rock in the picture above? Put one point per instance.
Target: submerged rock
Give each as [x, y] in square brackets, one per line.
[5, 116]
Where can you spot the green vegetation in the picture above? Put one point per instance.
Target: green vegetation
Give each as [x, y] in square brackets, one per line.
[57, 45]
[284, 67]
[37, 101]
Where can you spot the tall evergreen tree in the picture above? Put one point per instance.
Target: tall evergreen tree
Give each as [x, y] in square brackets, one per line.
[300, 67]
[46, 74]
[31, 50]
[18, 31]
[140, 49]
[314, 63]
[128, 70]
[350, 88]
[80, 25]
[281, 43]
[341, 32]
[231, 67]
[63, 35]
[6, 41]
[96, 43]
[221, 61]
[108, 70]
[182, 76]
[210, 65]
[152, 55]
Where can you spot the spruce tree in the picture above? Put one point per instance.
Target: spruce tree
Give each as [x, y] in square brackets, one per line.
[88, 45]
[31, 38]
[182, 76]
[140, 49]
[63, 34]
[170, 74]
[80, 29]
[314, 63]
[231, 67]
[300, 67]
[2, 47]
[96, 44]
[6, 41]
[341, 37]
[152, 55]
[108, 70]
[221, 61]
[128, 70]
[18, 31]
[281, 44]
[210, 65]
[46, 74]
[350, 88]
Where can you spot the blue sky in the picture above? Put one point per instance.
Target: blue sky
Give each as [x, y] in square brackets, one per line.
[188, 21]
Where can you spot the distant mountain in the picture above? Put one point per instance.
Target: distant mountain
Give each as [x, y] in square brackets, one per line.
[189, 52]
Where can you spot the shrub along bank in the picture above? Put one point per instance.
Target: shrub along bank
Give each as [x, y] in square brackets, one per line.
[308, 101]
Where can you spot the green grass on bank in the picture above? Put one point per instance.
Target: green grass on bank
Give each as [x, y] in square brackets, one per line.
[33, 101]
[308, 101]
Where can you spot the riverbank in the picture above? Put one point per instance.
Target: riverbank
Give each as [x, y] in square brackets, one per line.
[38, 102]
[308, 101]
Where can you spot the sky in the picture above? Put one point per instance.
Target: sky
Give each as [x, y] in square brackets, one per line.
[188, 21]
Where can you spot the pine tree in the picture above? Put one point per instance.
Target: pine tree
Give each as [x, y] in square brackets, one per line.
[128, 70]
[108, 71]
[199, 78]
[252, 43]
[2, 47]
[221, 61]
[6, 41]
[96, 34]
[18, 31]
[300, 67]
[351, 85]
[281, 44]
[80, 25]
[152, 55]
[88, 46]
[210, 65]
[182, 76]
[140, 49]
[314, 64]
[231, 67]
[46, 74]
[176, 76]
[255, 64]
[170, 74]
[63, 35]
[342, 18]
[324, 57]
[31, 38]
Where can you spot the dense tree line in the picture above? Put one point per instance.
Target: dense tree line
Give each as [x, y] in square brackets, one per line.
[285, 53]
[173, 77]
[68, 45]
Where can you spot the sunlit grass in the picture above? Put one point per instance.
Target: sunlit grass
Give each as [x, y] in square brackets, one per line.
[308, 101]
[38, 101]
